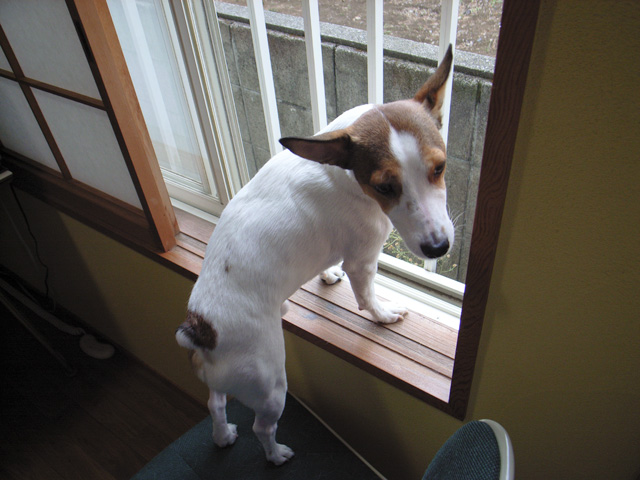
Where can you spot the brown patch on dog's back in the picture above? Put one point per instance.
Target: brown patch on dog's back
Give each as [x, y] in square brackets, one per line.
[201, 333]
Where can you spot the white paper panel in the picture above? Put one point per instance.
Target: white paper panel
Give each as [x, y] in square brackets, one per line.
[4, 63]
[46, 44]
[89, 146]
[19, 130]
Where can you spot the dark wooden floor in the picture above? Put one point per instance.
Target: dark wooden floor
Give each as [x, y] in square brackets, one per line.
[105, 422]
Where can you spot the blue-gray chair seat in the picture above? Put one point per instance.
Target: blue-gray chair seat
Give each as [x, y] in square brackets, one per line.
[318, 453]
[479, 450]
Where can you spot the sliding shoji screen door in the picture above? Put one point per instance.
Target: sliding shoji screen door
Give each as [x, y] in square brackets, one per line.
[71, 129]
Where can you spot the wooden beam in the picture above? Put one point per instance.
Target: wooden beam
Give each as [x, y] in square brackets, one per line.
[102, 47]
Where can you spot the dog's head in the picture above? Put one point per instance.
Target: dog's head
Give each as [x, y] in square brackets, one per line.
[399, 159]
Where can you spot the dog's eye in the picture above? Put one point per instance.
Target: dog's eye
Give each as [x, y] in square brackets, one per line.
[438, 170]
[384, 189]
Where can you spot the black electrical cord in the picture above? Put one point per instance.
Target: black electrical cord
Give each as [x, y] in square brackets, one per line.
[35, 242]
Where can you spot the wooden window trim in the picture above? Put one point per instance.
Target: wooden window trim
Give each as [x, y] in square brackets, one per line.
[155, 226]
[99, 38]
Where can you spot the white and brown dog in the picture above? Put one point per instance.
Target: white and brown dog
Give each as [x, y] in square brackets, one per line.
[373, 167]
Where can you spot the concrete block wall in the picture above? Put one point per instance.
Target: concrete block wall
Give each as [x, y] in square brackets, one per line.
[407, 65]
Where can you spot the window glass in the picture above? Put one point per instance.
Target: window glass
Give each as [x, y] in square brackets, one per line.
[148, 44]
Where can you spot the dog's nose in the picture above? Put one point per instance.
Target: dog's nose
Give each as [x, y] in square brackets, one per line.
[435, 250]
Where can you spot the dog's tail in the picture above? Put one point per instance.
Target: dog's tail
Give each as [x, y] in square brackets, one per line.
[196, 332]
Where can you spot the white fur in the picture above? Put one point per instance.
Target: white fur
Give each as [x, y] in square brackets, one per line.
[295, 219]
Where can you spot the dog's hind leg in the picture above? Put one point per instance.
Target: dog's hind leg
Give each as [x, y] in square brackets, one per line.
[266, 424]
[224, 434]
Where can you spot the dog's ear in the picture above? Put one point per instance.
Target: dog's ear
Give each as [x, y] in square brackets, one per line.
[431, 95]
[331, 148]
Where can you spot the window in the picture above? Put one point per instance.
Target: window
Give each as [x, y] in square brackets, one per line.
[69, 126]
[52, 176]
[187, 123]
[159, 76]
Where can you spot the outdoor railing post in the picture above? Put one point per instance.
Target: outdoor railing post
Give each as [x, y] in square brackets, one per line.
[265, 74]
[375, 36]
[314, 63]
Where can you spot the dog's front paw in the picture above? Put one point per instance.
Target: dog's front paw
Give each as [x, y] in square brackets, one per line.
[280, 454]
[389, 313]
[224, 437]
[332, 275]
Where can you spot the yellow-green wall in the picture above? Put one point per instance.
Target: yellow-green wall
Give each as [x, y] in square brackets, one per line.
[559, 361]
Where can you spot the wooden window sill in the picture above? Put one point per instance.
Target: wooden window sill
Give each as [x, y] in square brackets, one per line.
[415, 355]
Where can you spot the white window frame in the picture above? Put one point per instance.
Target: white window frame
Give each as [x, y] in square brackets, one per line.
[199, 29]
[208, 79]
